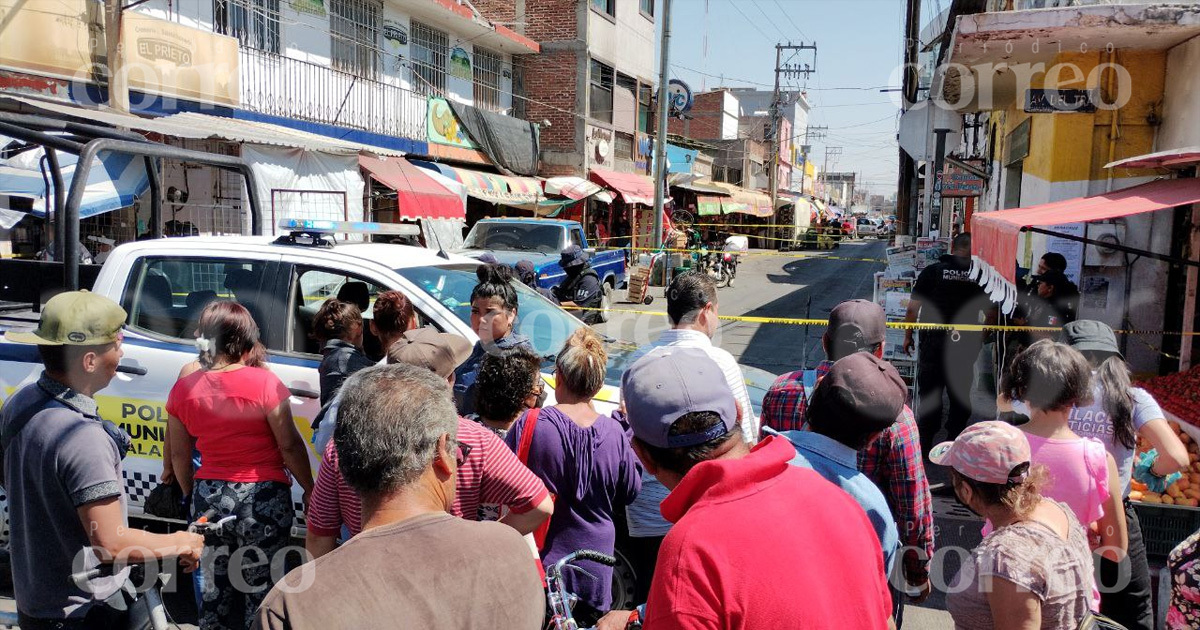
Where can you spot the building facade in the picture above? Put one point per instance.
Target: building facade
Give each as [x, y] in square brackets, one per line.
[593, 81]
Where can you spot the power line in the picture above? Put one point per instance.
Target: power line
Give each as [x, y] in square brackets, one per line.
[768, 18]
[747, 18]
[789, 19]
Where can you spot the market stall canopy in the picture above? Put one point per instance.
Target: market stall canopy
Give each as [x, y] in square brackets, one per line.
[742, 201]
[994, 234]
[418, 195]
[1175, 158]
[688, 181]
[633, 188]
[576, 188]
[115, 181]
[519, 192]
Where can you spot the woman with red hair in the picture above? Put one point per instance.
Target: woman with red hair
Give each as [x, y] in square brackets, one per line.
[238, 417]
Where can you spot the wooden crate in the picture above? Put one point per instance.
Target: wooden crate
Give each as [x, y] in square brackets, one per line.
[639, 283]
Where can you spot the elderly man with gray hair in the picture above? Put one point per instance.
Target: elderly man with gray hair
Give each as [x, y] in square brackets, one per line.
[398, 448]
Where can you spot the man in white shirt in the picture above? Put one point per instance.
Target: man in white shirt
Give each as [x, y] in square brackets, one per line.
[692, 309]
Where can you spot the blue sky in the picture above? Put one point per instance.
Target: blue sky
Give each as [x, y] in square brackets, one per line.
[858, 46]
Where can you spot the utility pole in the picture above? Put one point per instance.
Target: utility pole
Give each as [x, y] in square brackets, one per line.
[782, 70]
[118, 80]
[906, 183]
[811, 132]
[660, 145]
[834, 151]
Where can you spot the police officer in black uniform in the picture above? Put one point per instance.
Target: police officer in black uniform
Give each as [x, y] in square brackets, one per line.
[945, 294]
[582, 287]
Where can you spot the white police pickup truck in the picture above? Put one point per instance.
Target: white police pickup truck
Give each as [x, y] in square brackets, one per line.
[164, 284]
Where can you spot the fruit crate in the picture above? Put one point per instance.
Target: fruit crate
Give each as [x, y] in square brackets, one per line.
[1165, 526]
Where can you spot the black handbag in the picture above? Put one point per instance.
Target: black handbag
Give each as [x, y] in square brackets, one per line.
[166, 501]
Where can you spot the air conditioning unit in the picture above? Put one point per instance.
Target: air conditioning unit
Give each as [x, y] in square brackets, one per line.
[1097, 255]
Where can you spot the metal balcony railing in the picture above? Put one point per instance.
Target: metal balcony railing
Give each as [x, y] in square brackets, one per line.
[292, 88]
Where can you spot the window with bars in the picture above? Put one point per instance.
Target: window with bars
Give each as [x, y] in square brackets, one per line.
[489, 67]
[600, 97]
[354, 25]
[255, 23]
[429, 48]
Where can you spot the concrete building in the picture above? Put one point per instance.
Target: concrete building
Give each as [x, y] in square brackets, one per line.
[593, 81]
[1050, 95]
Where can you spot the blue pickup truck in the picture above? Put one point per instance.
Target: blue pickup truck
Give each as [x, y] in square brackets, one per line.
[541, 241]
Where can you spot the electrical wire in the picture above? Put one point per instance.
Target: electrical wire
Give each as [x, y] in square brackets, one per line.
[733, 3]
[789, 19]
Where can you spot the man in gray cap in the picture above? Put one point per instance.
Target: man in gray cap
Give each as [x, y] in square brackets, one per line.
[747, 507]
[581, 288]
[62, 470]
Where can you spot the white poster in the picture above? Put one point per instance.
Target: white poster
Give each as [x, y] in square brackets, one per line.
[1071, 250]
[298, 184]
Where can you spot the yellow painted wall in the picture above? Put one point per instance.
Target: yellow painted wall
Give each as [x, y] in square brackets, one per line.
[1075, 147]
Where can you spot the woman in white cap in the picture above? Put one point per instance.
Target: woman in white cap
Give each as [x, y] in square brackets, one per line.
[1035, 565]
[1118, 415]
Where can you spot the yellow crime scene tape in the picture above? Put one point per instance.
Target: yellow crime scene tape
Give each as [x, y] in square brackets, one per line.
[798, 256]
[799, 321]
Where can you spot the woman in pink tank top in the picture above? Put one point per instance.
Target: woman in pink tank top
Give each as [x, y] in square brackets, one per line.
[1052, 378]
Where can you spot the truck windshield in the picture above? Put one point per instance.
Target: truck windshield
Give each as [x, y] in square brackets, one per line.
[515, 237]
[546, 325]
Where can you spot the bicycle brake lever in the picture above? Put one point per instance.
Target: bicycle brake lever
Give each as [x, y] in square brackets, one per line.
[581, 570]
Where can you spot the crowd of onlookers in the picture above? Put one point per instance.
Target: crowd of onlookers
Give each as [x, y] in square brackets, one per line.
[447, 485]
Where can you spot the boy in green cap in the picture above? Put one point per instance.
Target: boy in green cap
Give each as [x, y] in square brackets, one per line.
[62, 470]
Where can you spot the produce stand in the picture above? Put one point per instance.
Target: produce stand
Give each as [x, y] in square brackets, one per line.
[1168, 518]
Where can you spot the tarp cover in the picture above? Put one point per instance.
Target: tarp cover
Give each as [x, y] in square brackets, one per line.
[994, 234]
[298, 184]
[418, 194]
[114, 181]
[511, 143]
[743, 201]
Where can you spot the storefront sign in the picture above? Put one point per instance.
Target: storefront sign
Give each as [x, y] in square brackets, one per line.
[460, 64]
[600, 146]
[76, 28]
[395, 44]
[1042, 101]
[958, 182]
[443, 127]
[159, 57]
[643, 152]
[679, 97]
[1018, 143]
[166, 58]
[679, 159]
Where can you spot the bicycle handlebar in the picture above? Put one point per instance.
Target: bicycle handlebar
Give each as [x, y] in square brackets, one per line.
[585, 554]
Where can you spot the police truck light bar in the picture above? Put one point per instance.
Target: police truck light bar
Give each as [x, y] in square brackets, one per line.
[321, 226]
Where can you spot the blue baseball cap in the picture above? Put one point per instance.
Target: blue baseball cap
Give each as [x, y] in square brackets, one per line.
[669, 383]
[573, 256]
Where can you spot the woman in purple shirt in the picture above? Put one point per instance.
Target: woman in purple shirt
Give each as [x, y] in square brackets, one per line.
[587, 464]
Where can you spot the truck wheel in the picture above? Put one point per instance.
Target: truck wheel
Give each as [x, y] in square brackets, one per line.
[624, 586]
[606, 298]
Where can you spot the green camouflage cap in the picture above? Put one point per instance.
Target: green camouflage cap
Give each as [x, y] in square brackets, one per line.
[75, 318]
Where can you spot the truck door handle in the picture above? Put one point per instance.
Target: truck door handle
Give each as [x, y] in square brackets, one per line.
[304, 393]
[131, 369]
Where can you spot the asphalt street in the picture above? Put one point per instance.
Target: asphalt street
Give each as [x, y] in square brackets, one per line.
[807, 284]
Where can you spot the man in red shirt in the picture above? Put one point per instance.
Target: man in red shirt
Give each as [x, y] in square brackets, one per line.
[786, 565]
